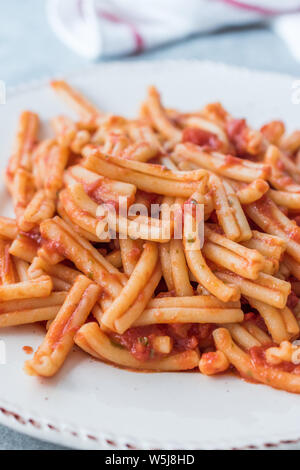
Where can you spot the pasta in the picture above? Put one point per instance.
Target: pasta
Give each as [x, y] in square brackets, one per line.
[168, 242]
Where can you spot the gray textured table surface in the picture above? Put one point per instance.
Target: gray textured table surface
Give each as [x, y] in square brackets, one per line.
[29, 50]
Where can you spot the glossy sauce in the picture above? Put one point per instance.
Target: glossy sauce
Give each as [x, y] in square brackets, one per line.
[236, 130]
[186, 337]
[33, 236]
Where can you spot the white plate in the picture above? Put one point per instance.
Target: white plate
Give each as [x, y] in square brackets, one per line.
[92, 405]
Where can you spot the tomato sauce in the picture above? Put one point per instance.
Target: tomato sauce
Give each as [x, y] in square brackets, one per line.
[239, 135]
[294, 233]
[99, 194]
[249, 316]
[236, 129]
[258, 358]
[162, 295]
[292, 300]
[185, 337]
[201, 137]
[230, 160]
[139, 341]
[33, 236]
[284, 180]
[134, 254]
[53, 246]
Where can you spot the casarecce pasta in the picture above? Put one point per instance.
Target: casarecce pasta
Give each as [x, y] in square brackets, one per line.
[168, 242]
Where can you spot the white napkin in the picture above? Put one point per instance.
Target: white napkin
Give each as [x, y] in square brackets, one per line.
[106, 28]
[288, 27]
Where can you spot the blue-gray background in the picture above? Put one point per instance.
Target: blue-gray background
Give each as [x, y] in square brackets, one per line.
[29, 51]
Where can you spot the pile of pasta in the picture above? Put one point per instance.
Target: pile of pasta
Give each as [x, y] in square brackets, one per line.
[156, 302]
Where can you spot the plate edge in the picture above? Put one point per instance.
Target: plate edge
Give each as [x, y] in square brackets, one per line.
[23, 87]
[52, 431]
